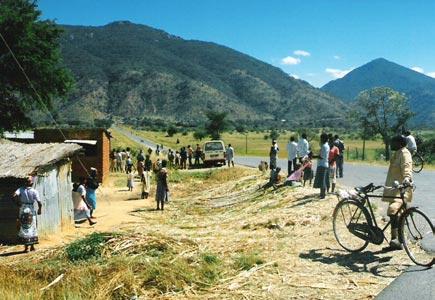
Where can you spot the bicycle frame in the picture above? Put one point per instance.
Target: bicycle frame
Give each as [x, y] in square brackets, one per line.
[366, 199]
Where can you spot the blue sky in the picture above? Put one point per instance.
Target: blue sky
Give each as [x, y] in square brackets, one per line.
[332, 36]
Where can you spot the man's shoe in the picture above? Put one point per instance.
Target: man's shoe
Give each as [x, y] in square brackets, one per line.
[394, 246]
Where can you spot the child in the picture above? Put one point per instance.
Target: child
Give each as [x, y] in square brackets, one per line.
[298, 174]
[308, 165]
[129, 165]
[130, 180]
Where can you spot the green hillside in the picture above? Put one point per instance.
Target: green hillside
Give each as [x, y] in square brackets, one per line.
[134, 71]
[419, 88]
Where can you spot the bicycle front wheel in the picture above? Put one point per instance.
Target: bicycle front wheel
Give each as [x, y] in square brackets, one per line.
[417, 234]
[417, 163]
[351, 222]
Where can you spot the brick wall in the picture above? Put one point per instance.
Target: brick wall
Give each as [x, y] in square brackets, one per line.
[82, 163]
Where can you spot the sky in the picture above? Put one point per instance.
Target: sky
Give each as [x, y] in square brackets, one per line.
[317, 40]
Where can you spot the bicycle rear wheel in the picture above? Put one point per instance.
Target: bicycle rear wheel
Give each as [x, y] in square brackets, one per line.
[417, 163]
[417, 234]
[351, 222]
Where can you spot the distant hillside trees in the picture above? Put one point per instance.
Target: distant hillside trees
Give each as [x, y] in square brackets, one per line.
[217, 123]
[382, 111]
[35, 44]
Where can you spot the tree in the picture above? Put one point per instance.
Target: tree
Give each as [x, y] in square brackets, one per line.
[217, 123]
[172, 130]
[199, 134]
[382, 110]
[274, 135]
[35, 44]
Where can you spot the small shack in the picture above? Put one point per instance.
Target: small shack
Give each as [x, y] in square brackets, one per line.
[96, 145]
[51, 166]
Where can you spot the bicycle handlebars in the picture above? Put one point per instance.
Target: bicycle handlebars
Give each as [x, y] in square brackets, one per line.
[371, 187]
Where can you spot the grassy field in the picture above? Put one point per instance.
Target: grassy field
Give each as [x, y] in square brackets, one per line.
[258, 145]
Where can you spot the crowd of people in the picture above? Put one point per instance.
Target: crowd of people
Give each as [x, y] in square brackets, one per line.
[299, 162]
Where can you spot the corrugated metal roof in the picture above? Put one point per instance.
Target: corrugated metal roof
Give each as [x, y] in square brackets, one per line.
[87, 142]
[20, 160]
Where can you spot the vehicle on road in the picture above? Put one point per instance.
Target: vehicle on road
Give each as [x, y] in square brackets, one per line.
[355, 225]
[213, 153]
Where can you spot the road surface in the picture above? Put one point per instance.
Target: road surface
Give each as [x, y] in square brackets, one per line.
[415, 283]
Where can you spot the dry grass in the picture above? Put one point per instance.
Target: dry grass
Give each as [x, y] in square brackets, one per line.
[221, 237]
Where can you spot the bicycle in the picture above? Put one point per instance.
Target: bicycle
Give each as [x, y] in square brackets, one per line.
[355, 225]
[417, 162]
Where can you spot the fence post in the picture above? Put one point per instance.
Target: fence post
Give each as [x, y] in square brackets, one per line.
[347, 153]
[356, 153]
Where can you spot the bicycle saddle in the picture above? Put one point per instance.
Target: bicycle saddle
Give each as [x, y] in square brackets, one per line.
[365, 189]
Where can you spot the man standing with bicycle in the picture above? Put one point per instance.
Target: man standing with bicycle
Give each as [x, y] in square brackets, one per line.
[400, 170]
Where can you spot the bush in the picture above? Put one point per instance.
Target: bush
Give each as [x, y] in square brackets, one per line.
[90, 247]
[171, 131]
[246, 261]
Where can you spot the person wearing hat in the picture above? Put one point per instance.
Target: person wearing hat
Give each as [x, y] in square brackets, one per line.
[400, 170]
[91, 188]
[26, 197]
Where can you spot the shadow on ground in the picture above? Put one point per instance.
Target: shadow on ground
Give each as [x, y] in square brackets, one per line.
[367, 261]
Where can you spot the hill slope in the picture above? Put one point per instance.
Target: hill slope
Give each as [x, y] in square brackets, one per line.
[132, 71]
[419, 88]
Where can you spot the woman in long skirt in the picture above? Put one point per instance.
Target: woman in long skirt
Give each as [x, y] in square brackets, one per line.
[27, 196]
[81, 207]
[321, 181]
[91, 188]
[162, 192]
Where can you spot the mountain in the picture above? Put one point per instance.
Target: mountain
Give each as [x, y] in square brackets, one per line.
[134, 71]
[419, 88]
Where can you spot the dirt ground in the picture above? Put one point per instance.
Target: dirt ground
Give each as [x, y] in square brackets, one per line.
[225, 212]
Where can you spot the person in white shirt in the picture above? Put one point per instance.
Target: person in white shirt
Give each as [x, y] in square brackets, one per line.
[292, 153]
[411, 145]
[230, 155]
[303, 146]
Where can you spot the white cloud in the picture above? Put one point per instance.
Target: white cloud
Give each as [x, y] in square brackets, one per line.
[289, 60]
[418, 69]
[295, 76]
[431, 74]
[301, 53]
[337, 73]
[336, 57]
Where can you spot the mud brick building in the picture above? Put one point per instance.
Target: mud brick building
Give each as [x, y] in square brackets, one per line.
[96, 145]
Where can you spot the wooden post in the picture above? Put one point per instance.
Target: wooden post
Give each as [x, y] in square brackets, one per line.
[347, 153]
[246, 142]
[364, 149]
[356, 153]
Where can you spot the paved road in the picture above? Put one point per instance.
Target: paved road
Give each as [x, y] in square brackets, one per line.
[360, 174]
[415, 283]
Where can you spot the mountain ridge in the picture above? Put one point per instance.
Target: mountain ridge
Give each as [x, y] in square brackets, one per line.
[418, 87]
[130, 70]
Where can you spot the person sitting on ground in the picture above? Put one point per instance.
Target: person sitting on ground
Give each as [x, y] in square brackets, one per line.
[26, 197]
[263, 166]
[298, 174]
[411, 145]
[275, 178]
[82, 209]
[400, 170]
[162, 190]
